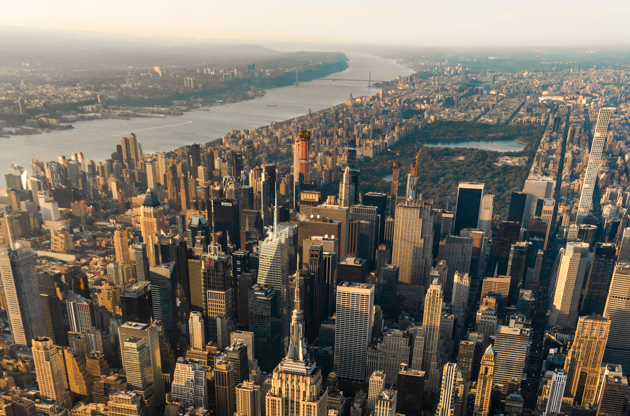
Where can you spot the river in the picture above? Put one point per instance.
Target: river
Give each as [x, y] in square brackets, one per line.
[97, 139]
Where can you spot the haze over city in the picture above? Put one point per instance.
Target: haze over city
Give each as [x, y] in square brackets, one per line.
[357, 208]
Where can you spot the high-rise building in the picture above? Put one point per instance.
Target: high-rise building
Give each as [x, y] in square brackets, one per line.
[51, 371]
[237, 355]
[446, 407]
[353, 329]
[164, 295]
[485, 383]
[189, 383]
[556, 392]
[150, 334]
[375, 386]
[517, 269]
[410, 385]
[197, 331]
[457, 255]
[511, 345]
[80, 313]
[126, 403]
[386, 403]
[121, 246]
[571, 271]
[23, 303]
[225, 393]
[248, 399]
[431, 362]
[394, 189]
[412, 248]
[485, 216]
[80, 381]
[612, 391]
[469, 196]
[599, 278]
[617, 310]
[151, 221]
[461, 291]
[296, 384]
[594, 159]
[388, 351]
[584, 361]
[265, 321]
[273, 271]
[624, 247]
[142, 262]
[509, 233]
[136, 360]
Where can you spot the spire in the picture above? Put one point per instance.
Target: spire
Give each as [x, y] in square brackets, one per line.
[297, 344]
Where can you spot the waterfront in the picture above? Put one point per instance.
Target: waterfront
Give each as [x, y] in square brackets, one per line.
[502, 146]
[97, 139]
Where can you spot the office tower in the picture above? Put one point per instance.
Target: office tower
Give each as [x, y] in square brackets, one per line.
[556, 392]
[375, 387]
[508, 234]
[136, 360]
[535, 189]
[126, 403]
[152, 175]
[23, 303]
[141, 261]
[511, 345]
[468, 357]
[617, 311]
[571, 271]
[296, 384]
[394, 189]
[149, 333]
[594, 159]
[353, 269]
[517, 206]
[386, 403]
[446, 407]
[151, 221]
[387, 289]
[265, 321]
[163, 296]
[80, 313]
[431, 321]
[121, 246]
[189, 384]
[500, 285]
[237, 355]
[612, 391]
[273, 271]
[136, 304]
[60, 238]
[624, 247]
[96, 365]
[246, 338]
[457, 255]
[485, 215]
[485, 382]
[599, 278]
[217, 291]
[388, 351]
[583, 364]
[51, 371]
[517, 269]
[353, 329]
[226, 220]
[248, 399]
[461, 290]
[410, 385]
[49, 209]
[413, 242]
[197, 331]
[469, 196]
[80, 381]
[317, 226]
[303, 170]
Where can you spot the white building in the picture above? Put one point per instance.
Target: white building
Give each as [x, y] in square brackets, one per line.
[189, 384]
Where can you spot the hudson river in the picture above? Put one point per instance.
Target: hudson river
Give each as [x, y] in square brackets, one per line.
[97, 139]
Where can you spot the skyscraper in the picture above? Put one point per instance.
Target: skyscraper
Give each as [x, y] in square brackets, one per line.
[353, 329]
[80, 381]
[189, 383]
[51, 371]
[599, 278]
[121, 246]
[461, 291]
[512, 347]
[446, 407]
[595, 157]
[163, 295]
[432, 318]
[224, 387]
[136, 359]
[485, 382]
[410, 385]
[375, 386]
[469, 196]
[624, 247]
[265, 321]
[413, 242]
[556, 392]
[23, 303]
[296, 384]
[612, 391]
[458, 256]
[585, 357]
[126, 403]
[571, 272]
[617, 310]
[197, 331]
[248, 399]
[517, 206]
[394, 190]
[151, 221]
[386, 403]
[517, 269]
[485, 216]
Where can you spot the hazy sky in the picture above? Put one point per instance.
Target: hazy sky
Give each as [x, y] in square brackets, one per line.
[411, 22]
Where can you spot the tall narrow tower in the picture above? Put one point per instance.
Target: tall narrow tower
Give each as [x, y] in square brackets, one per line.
[595, 157]
[485, 383]
[304, 159]
[431, 361]
[51, 371]
[394, 190]
[618, 311]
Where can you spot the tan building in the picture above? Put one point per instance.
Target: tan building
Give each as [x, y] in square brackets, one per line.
[151, 221]
[80, 381]
[51, 371]
[121, 246]
[412, 249]
[248, 399]
[499, 284]
[431, 361]
[485, 382]
[126, 403]
[585, 357]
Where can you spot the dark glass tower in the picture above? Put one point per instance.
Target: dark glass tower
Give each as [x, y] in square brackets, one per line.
[517, 206]
[469, 197]
[517, 269]
[598, 281]
[265, 322]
